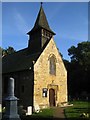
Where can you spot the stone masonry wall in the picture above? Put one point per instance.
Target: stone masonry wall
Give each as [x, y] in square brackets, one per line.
[43, 79]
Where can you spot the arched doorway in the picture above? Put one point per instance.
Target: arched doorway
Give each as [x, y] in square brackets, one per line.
[52, 97]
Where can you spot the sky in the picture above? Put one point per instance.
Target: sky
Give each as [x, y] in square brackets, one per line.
[69, 20]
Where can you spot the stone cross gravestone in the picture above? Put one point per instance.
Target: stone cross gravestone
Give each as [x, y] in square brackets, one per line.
[11, 110]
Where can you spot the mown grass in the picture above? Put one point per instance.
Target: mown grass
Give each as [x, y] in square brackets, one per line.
[71, 112]
[44, 113]
[77, 109]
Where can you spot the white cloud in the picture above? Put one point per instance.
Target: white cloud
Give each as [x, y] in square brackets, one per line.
[20, 23]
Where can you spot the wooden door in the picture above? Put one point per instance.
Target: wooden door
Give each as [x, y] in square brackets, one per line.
[52, 97]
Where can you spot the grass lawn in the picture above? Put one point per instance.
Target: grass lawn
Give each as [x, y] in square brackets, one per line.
[77, 109]
[71, 112]
[45, 113]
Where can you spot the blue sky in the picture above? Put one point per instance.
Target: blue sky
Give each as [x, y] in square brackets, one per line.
[69, 20]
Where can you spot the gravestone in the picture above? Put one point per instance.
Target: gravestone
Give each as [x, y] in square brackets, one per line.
[11, 103]
[29, 110]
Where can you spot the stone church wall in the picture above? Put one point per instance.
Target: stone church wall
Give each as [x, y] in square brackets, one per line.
[43, 79]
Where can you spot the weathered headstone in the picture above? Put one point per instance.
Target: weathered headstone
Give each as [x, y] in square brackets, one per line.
[29, 110]
[11, 103]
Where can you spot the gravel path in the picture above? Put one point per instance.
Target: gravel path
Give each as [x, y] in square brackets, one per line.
[59, 113]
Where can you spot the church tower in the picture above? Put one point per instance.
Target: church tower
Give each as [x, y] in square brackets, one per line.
[40, 34]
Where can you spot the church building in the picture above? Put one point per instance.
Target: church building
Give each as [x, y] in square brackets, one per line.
[39, 72]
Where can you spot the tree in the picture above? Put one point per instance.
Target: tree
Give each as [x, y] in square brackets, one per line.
[8, 50]
[79, 68]
[81, 54]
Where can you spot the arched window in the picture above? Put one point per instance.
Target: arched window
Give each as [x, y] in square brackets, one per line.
[52, 65]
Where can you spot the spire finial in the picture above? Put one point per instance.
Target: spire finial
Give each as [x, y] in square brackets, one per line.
[41, 3]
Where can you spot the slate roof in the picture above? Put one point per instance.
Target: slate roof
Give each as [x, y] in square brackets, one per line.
[18, 61]
[41, 22]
